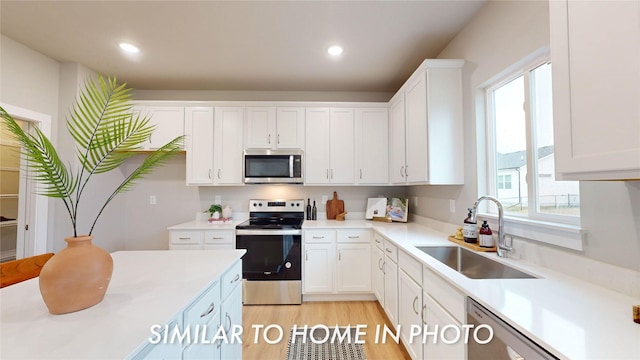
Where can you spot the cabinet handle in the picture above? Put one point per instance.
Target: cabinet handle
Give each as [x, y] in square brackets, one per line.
[380, 263]
[269, 139]
[278, 139]
[414, 305]
[184, 238]
[209, 310]
[218, 173]
[209, 173]
[235, 279]
[387, 250]
[402, 171]
[354, 237]
[406, 171]
[332, 173]
[217, 238]
[384, 266]
[378, 241]
[327, 173]
[424, 307]
[227, 317]
[318, 237]
[360, 174]
[339, 255]
[306, 255]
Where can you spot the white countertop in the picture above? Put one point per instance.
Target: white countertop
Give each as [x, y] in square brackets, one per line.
[147, 288]
[569, 317]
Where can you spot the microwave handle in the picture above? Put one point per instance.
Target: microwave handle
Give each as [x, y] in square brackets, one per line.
[291, 166]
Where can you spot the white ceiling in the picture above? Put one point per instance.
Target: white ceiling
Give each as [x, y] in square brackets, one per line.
[242, 45]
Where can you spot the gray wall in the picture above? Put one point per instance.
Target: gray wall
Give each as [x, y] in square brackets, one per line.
[502, 33]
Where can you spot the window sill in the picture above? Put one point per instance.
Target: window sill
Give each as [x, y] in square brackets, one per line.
[558, 234]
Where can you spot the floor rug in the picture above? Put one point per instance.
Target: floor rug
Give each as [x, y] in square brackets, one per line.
[323, 346]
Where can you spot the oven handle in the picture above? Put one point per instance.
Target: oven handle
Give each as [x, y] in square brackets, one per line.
[269, 232]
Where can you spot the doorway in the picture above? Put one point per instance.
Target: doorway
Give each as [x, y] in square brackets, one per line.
[24, 213]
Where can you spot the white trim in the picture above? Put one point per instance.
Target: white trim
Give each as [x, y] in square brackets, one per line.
[37, 242]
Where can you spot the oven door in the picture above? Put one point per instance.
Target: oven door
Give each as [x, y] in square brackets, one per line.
[271, 254]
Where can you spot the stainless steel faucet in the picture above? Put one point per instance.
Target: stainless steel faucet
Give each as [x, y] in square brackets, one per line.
[503, 248]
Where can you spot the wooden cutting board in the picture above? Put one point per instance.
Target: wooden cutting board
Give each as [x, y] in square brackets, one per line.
[334, 207]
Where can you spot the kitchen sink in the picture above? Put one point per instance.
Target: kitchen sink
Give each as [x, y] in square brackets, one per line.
[471, 264]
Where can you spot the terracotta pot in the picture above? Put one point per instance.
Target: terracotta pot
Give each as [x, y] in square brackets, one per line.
[77, 277]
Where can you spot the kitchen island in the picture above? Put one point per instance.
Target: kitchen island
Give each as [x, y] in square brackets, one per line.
[147, 288]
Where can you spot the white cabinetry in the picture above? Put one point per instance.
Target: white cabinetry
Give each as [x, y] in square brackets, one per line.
[231, 313]
[201, 239]
[337, 261]
[442, 305]
[372, 145]
[319, 260]
[353, 269]
[391, 282]
[228, 145]
[168, 122]
[377, 269]
[329, 146]
[596, 87]
[410, 302]
[275, 128]
[430, 104]
[199, 126]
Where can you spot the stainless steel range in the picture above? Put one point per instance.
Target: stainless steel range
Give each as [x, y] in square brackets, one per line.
[272, 266]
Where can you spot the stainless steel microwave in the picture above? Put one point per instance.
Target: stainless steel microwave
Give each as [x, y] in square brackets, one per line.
[273, 167]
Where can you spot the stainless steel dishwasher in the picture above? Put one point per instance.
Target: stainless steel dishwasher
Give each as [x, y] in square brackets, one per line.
[507, 342]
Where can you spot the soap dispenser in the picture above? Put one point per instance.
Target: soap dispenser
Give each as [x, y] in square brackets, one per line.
[486, 235]
[469, 229]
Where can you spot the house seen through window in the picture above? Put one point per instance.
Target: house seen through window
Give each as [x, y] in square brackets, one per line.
[520, 148]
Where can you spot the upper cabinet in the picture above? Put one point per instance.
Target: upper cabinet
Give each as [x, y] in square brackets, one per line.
[169, 123]
[214, 145]
[372, 145]
[596, 89]
[329, 149]
[275, 128]
[426, 126]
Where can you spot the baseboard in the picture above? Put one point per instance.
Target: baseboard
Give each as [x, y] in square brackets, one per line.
[338, 297]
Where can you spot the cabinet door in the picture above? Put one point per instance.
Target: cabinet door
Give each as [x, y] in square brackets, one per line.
[169, 350]
[231, 321]
[319, 264]
[353, 270]
[341, 147]
[436, 317]
[317, 146]
[199, 145]
[595, 89]
[169, 122]
[290, 128]
[416, 170]
[372, 142]
[378, 274]
[228, 145]
[409, 313]
[391, 290]
[397, 143]
[261, 124]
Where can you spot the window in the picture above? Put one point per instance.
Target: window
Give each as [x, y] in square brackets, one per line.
[520, 148]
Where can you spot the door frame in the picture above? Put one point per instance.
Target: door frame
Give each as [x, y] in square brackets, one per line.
[33, 207]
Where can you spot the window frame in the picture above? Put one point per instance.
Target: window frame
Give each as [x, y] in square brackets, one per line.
[560, 230]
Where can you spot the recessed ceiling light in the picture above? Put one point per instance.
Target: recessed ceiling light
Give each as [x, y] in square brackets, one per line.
[335, 50]
[130, 48]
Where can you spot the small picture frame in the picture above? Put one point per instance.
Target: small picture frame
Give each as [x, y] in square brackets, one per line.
[376, 207]
[398, 209]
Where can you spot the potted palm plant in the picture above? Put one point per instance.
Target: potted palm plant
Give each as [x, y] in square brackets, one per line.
[105, 131]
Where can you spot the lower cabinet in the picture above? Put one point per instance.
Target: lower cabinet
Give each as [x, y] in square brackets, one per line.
[377, 269]
[409, 311]
[231, 322]
[336, 261]
[390, 268]
[201, 239]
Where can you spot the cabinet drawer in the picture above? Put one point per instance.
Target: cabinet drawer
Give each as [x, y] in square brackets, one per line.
[450, 298]
[204, 308]
[219, 237]
[354, 235]
[378, 240]
[410, 266]
[391, 251]
[319, 236]
[231, 278]
[186, 237]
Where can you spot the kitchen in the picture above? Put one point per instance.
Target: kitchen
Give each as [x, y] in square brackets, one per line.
[499, 35]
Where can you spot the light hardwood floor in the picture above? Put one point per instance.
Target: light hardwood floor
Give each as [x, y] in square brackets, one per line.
[340, 313]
